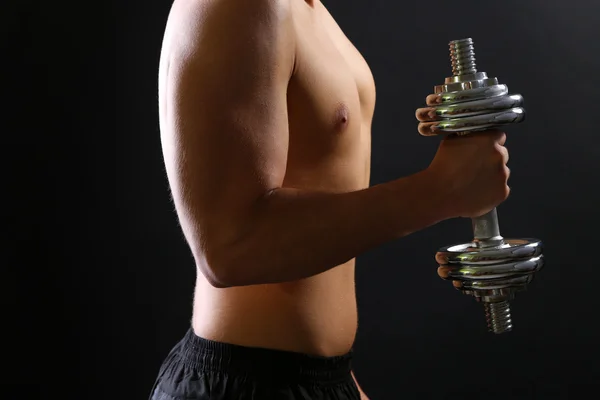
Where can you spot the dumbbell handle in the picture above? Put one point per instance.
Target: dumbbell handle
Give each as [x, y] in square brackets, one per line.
[486, 229]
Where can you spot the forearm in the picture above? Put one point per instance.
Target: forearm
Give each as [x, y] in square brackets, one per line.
[295, 234]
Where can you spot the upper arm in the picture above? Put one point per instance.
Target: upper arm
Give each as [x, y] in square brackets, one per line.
[225, 127]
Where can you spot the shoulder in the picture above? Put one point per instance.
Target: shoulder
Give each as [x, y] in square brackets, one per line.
[249, 32]
[229, 23]
[243, 13]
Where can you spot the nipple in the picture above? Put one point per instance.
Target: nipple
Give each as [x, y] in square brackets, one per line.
[341, 117]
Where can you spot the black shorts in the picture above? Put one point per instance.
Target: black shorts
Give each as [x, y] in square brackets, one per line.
[198, 369]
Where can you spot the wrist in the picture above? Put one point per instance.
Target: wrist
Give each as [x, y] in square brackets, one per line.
[433, 196]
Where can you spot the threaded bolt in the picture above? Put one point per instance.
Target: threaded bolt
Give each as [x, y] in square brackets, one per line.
[498, 317]
[462, 55]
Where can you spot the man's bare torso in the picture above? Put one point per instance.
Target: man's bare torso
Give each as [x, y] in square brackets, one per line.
[331, 98]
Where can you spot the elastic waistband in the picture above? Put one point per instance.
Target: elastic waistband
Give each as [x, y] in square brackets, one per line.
[271, 364]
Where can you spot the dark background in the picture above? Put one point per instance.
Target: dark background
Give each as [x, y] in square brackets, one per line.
[96, 279]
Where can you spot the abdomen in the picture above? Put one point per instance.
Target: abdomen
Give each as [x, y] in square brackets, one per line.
[316, 315]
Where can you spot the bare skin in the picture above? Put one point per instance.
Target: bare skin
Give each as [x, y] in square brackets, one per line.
[266, 111]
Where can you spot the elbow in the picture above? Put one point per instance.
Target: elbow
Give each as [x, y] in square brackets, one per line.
[230, 256]
[215, 280]
[222, 269]
[217, 274]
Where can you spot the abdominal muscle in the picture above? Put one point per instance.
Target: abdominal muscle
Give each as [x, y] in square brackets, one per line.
[316, 315]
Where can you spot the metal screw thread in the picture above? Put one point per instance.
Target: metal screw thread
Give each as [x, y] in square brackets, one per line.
[498, 317]
[462, 55]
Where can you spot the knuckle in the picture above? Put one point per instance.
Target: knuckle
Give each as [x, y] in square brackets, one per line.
[501, 154]
[499, 137]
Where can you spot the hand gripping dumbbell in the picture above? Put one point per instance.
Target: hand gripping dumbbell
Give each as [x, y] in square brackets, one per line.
[490, 267]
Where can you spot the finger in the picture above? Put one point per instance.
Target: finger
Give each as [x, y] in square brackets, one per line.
[428, 128]
[433, 100]
[441, 259]
[426, 114]
[444, 271]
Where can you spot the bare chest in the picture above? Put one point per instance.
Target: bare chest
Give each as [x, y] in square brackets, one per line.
[331, 99]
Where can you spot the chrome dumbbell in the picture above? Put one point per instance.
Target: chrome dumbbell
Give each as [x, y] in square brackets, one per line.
[490, 267]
